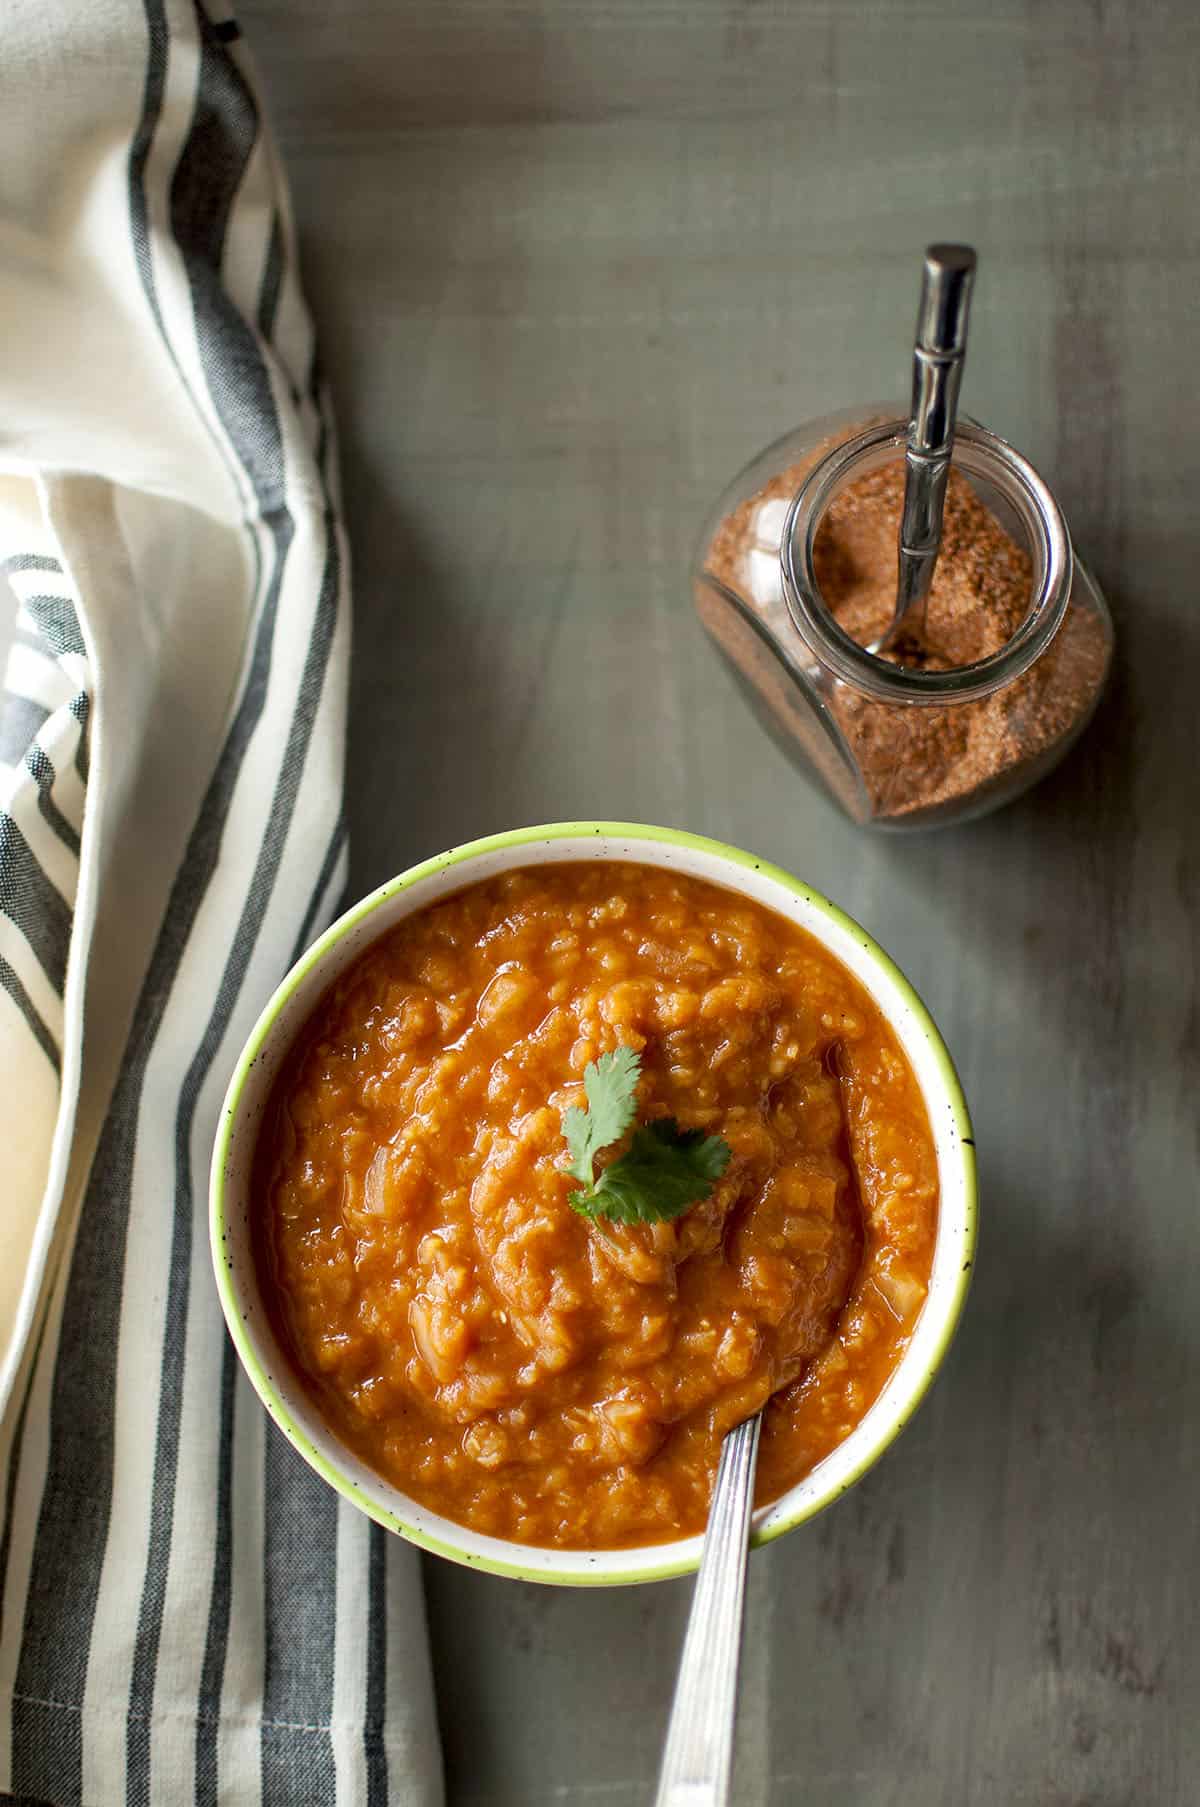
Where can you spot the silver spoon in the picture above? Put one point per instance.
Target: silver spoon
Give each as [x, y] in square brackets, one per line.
[698, 1756]
[938, 356]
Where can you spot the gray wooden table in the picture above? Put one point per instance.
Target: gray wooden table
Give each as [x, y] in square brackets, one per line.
[573, 263]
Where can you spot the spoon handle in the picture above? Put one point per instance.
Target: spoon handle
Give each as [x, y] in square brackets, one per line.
[938, 355]
[698, 1756]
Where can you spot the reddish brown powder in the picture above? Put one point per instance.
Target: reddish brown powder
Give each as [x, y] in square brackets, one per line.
[915, 758]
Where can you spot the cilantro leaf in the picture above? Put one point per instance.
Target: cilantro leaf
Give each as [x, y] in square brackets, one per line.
[611, 1087]
[666, 1170]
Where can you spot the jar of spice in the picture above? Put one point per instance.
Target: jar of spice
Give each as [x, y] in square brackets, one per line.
[795, 576]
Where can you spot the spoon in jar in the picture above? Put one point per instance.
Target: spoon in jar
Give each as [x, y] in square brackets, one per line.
[938, 356]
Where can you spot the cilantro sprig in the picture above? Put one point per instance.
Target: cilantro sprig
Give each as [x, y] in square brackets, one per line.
[664, 1170]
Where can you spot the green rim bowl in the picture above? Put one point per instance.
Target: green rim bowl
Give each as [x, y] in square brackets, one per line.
[232, 1201]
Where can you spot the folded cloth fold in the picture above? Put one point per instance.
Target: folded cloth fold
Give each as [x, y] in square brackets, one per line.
[188, 1613]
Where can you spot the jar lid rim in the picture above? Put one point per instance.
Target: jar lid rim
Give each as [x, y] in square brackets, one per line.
[990, 456]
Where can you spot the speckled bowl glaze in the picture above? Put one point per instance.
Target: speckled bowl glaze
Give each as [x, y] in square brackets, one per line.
[232, 1202]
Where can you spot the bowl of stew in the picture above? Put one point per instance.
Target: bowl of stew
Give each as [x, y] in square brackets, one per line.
[474, 1357]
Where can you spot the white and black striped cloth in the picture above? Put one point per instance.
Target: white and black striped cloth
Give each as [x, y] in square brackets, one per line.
[188, 1613]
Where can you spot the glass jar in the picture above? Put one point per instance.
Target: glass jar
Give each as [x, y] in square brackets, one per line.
[909, 739]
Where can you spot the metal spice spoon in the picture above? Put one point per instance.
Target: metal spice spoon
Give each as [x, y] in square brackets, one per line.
[938, 356]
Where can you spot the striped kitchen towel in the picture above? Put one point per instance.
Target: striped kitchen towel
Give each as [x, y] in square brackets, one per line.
[188, 1613]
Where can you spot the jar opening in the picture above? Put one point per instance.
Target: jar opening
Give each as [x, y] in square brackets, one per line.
[1020, 491]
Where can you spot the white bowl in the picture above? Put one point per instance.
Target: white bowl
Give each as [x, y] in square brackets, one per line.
[233, 1202]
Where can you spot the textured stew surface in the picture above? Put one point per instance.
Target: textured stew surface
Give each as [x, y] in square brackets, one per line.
[507, 1362]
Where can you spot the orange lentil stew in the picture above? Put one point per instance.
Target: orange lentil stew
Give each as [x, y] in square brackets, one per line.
[525, 1370]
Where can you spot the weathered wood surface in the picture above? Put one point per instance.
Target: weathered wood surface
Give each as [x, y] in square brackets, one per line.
[573, 263]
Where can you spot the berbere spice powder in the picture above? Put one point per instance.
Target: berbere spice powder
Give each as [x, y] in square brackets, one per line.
[916, 758]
